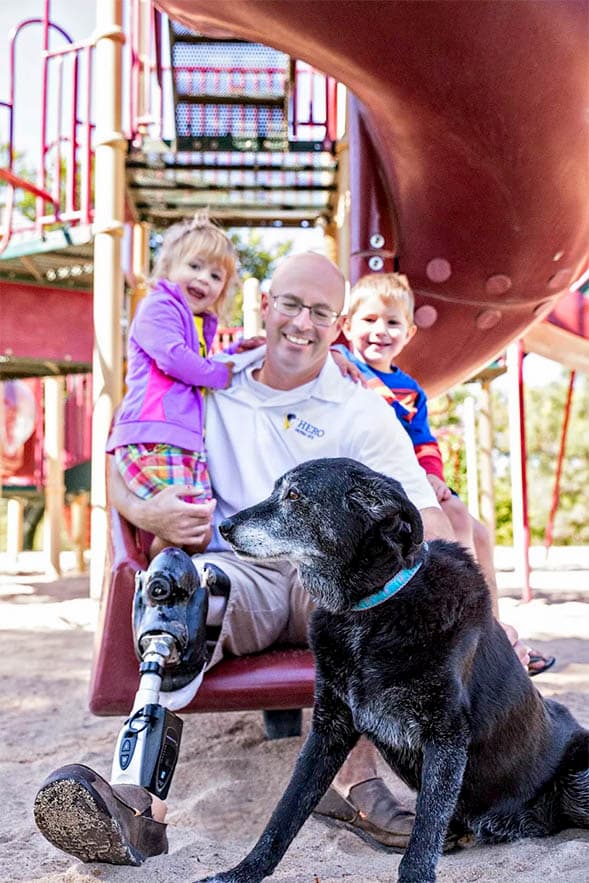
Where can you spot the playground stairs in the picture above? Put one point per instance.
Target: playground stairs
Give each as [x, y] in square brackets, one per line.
[252, 139]
[239, 128]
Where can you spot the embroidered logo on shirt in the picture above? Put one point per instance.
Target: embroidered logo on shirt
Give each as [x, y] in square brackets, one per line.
[404, 398]
[291, 421]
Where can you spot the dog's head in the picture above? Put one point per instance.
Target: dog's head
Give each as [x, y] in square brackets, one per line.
[346, 528]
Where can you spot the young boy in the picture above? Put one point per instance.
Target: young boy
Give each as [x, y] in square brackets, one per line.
[379, 325]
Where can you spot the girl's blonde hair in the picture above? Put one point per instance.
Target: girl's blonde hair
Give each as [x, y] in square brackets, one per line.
[392, 288]
[198, 236]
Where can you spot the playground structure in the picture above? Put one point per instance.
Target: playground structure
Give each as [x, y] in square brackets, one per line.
[439, 159]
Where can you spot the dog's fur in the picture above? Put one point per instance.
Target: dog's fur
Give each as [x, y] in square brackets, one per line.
[428, 675]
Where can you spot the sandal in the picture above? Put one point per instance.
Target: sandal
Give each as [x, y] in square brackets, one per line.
[538, 664]
[80, 813]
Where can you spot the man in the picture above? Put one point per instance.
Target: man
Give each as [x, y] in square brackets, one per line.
[286, 404]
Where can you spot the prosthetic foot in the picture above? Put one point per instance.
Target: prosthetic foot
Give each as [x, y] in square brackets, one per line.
[95, 820]
[84, 815]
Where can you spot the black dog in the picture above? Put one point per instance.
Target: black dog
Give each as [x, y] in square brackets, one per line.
[423, 670]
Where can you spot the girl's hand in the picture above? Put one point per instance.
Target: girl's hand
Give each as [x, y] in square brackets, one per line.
[251, 343]
[347, 368]
[230, 366]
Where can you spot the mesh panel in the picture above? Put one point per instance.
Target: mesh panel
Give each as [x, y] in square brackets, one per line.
[228, 55]
[249, 82]
[240, 121]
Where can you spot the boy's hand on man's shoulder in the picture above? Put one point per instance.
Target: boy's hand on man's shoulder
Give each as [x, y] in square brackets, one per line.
[347, 368]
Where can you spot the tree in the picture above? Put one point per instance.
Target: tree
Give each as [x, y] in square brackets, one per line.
[544, 411]
[256, 260]
[25, 201]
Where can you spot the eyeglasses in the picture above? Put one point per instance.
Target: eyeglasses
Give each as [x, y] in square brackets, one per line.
[289, 305]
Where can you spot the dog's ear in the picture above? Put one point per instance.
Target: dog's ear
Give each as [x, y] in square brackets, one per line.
[385, 502]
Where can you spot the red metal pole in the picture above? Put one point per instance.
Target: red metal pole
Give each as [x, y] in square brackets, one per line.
[517, 452]
[331, 109]
[72, 202]
[526, 588]
[43, 133]
[548, 534]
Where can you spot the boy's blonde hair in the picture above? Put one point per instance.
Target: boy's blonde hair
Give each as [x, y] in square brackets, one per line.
[392, 288]
[198, 236]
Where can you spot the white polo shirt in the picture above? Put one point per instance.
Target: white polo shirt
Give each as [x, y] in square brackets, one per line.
[255, 433]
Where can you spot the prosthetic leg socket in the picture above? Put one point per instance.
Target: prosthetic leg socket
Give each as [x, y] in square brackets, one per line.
[170, 600]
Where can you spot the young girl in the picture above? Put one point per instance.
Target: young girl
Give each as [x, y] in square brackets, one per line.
[158, 433]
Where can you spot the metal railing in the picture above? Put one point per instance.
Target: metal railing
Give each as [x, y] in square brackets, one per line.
[62, 185]
[63, 178]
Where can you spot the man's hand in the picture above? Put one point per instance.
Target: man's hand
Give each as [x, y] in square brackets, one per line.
[178, 521]
[167, 514]
[442, 490]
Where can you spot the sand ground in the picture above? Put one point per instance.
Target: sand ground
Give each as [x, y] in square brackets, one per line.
[229, 777]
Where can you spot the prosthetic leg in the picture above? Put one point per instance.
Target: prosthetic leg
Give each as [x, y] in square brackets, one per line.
[76, 809]
[169, 626]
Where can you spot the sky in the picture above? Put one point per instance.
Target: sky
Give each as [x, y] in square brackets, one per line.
[78, 19]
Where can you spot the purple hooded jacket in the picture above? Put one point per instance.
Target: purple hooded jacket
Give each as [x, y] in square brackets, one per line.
[163, 404]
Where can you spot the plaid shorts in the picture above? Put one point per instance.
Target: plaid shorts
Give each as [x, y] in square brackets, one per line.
[148, 469]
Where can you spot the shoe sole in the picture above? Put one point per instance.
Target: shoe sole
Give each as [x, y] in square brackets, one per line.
[359, 832]
[451, 843]
[70, 818]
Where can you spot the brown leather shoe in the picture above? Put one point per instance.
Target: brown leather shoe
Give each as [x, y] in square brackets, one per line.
[373, 814]
[81, 813]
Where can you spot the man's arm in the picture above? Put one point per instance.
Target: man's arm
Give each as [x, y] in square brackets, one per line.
[166, 514]
[376, 438]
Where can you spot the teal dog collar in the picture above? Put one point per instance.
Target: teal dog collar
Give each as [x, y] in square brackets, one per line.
[391, 588]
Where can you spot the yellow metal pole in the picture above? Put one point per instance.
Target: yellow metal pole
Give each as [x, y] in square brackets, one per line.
[15, 508]
[252, 320]
[53, 388]
[108, 274]
[140, 266]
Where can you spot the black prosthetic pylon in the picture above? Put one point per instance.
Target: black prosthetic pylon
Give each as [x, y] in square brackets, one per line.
[169, 599]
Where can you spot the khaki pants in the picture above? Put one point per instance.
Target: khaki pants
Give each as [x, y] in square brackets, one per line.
[267, 605]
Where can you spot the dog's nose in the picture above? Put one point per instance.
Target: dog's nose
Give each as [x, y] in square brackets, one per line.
[225, 527]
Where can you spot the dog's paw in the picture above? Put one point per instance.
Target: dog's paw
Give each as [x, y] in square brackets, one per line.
[416, 877]
[227, 877]
[232, 876]
[415, 872]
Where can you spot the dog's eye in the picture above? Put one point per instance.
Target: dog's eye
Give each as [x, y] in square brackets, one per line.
[293, 495]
